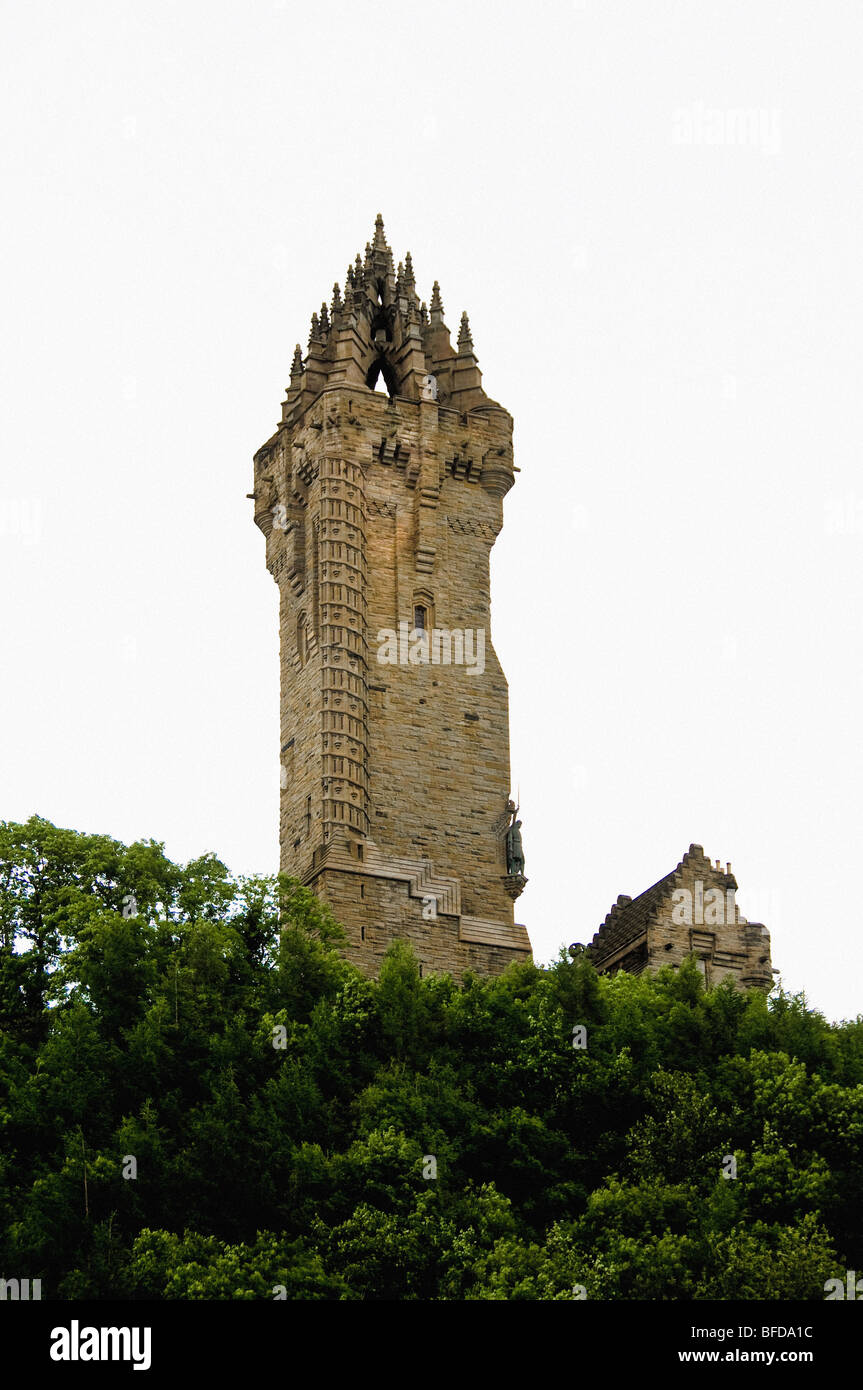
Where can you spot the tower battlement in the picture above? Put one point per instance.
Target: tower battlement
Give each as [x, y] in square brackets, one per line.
[379, 512]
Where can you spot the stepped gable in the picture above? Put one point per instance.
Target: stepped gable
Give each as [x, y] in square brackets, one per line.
[692, 910]
[628, 918]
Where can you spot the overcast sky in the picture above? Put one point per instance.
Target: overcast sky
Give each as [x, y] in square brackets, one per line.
[652, 212]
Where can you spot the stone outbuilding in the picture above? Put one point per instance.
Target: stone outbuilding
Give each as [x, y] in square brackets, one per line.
[693, 910]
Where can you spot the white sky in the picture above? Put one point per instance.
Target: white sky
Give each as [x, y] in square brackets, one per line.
[676, 328]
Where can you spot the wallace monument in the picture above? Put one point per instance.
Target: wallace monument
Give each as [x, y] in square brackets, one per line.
[380, 508]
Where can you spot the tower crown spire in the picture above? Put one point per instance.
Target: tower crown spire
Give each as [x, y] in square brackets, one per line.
[379, 327]
[465, 341]
[436, 305]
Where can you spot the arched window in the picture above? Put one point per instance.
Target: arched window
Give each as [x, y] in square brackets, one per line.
[423, 610]
[382, 368]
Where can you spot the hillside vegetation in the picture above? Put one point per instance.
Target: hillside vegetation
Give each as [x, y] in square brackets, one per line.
[412, 1138]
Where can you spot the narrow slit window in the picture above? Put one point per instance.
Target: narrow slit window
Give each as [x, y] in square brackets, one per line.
[302, 639]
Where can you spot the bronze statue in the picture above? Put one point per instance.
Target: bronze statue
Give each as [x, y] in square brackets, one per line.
[514, 849]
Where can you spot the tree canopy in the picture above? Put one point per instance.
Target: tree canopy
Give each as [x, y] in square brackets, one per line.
[201, 1099]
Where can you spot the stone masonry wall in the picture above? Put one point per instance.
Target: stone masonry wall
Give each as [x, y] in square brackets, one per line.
[385, 911]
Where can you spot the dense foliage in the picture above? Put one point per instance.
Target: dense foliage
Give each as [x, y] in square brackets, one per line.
[142, 1005]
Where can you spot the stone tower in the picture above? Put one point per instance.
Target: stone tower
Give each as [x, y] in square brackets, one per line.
[380, 508]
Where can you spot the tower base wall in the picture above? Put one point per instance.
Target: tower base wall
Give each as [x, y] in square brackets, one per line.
[378, 900]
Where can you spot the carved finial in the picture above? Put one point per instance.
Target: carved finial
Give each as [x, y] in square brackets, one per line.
[380, 243]
[368, 253]
[424, 315]
[315, 330]
[297, 364]
[409, 272]
[325, 320]
[400, 279]
[358, 271]
[336, 306]
[436, 304]
[465, 341]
